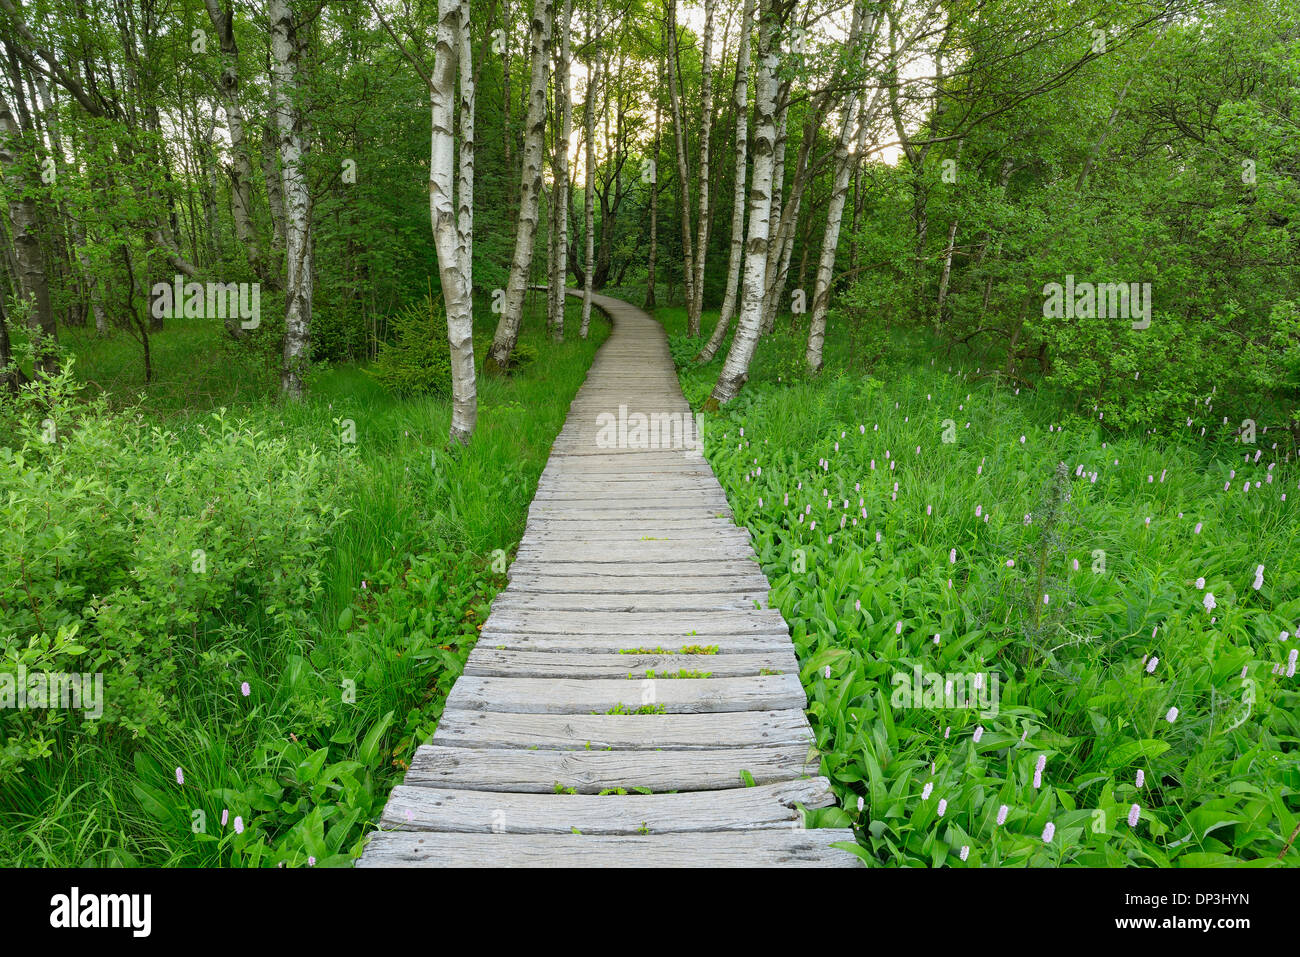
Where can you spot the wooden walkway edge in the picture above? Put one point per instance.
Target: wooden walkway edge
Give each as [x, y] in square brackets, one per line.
[630, 677]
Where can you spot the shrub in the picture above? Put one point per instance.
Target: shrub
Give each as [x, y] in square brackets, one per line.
[416, 361]
[137, 552]
[338, 334]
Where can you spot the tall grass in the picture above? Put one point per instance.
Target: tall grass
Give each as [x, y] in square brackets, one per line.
[919, 517]
[293, 771]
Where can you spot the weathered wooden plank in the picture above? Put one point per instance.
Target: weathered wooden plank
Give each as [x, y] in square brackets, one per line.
[617, 500]
[590, 772]
[637, 513]
[660, 488]
[736, 809]
[614, 507]
[612, 522]
[545, 533]
[613, 644]
[614, 552]
[651, 602]
[745, 729]
[690, 471]
[671, 471]
[792, 848]
[690, 506]
[636, 460]
[521, 568]
[599, 695]
[544, 583]
[690, 624]
[491, 662]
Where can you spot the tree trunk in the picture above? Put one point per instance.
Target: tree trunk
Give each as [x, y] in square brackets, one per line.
[652, 259]
[453, 239]
[774, 213]
[241, 168]
[460, 333]
[740, 106]
[683, 174]
[736, 367]
[286, 50]
[508, 122]
[706, 129]
[845, 167]
[530, 188]
[29, 255]
[560, 169]
[589, 186]
[11, 377]
[274, 189]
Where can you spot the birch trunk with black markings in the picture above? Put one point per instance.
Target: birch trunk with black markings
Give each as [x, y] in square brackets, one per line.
[706, 130]
[452, 226]
[560, 173]
[736, 367]
[240, 171]
[530, 188]
[740, 106]
[286, 53]
[589, 186]
[683, 174]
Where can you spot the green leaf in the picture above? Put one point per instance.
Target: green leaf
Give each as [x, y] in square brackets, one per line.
[368, 752]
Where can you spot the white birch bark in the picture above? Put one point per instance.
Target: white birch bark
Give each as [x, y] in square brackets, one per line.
[740, 105]
[460, 314]
[241, 168]
[683, 175]
[652, 261]
[285, 55]
[706, 129]
[736, 367]
[775, 207]
[830, 239]
[530, 188]
[589, 186]
[560, 170]
[846, 163]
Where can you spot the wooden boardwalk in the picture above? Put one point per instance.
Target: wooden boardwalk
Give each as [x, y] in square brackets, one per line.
[628, 561]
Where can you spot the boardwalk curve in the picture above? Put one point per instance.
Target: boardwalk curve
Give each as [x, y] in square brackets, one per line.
[630, 584]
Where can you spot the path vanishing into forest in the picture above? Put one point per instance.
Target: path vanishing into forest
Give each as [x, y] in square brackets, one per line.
[629, 559]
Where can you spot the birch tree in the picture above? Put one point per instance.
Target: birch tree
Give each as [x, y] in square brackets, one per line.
[530, 188]
[652, 260]
[240, 171]
[706, 129]
[683, 174]
[736, 367]
[740, 108]
[29, 255]
[455, 246]
[856, 123]
[560, 173]
[589, 187]
[286, 52]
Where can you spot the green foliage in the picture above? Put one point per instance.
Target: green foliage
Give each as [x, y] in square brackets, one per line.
[417, 360]
[1086, 681]
[117, 536]
[349, 564]
[337, 335]
[1117, 176]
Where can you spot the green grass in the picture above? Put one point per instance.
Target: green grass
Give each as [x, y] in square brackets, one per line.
[979, 530]
[335, 707]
